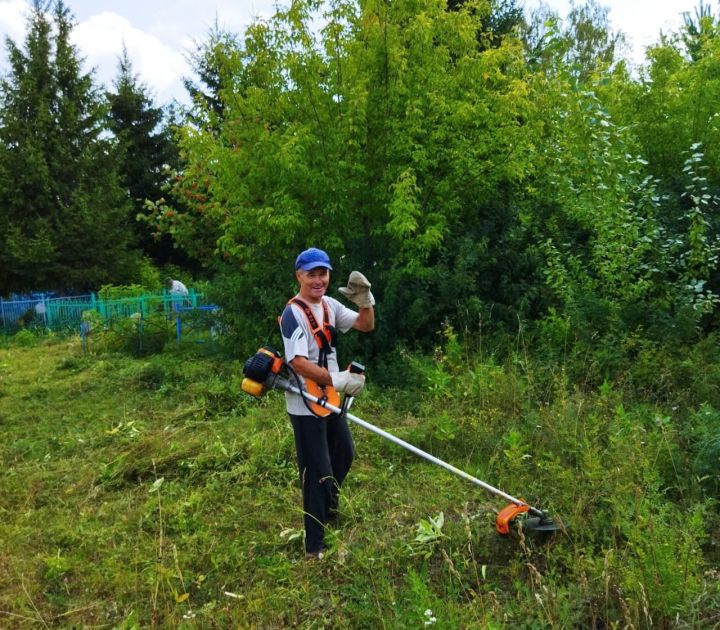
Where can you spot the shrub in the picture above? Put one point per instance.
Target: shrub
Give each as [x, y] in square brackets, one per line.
[25, 337]
[134, 335]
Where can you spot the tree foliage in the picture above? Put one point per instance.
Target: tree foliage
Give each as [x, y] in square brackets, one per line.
[387, 138]
[145, 150]
[64, 215]
[476, 168]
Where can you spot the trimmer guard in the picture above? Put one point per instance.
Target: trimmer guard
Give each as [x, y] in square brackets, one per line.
[507, 514]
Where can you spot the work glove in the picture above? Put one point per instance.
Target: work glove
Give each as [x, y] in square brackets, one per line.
[358, 290]
[348, 382]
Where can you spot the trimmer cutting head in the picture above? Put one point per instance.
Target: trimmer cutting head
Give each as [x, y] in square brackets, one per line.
[534, 520]
[538, 524]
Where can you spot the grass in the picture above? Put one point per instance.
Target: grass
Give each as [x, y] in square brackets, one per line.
[150, 492]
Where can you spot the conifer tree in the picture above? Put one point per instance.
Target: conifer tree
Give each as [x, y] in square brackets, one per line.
[144, 146]
[208, 60]
[63, 222]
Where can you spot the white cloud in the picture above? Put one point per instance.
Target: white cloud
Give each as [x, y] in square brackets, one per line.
[13, 20]
[644, 19]
[100, 39]
[640, 20]
[13, 17]
[158, 35]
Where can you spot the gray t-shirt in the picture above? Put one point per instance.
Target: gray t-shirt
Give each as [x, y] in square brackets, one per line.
[300, 342]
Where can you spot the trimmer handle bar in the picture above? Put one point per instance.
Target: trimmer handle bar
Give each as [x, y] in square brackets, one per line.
[281, 383]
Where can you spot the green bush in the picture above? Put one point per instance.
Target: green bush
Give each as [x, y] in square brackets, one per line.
[25, 337]
[703, 436]
[135, 335]
[118, 292]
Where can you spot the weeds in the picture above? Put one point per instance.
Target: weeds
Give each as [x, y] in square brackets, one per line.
[148, 492]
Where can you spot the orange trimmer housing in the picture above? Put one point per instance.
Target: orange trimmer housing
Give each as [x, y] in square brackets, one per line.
[507, 514]
[277, 361]
[257, 370]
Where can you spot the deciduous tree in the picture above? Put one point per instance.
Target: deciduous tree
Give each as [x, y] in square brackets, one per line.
[391, 138]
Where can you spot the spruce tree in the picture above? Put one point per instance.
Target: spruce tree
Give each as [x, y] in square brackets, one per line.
[144, 146]
[64, 215]
[208, 60]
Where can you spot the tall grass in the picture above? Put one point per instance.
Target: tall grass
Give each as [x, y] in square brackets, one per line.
[150, 492]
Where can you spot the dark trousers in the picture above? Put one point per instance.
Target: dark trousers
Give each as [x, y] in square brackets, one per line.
[324, 454]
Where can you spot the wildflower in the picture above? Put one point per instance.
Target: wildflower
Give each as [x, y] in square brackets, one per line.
[430, 618]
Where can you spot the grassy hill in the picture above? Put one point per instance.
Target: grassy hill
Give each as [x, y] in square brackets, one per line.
[151, 492]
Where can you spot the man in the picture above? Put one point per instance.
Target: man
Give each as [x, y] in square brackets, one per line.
[324, 445]
[177, 291]
[175, 287]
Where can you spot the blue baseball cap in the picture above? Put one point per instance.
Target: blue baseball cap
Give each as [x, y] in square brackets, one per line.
[312, 258]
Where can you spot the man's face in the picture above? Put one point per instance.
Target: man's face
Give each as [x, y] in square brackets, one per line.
[313, 283]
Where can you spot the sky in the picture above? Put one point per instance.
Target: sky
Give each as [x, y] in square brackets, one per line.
[159, 35]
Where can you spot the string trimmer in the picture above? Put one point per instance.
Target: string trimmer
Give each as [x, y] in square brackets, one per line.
[264, 371]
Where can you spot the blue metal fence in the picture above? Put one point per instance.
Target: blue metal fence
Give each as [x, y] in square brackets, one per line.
[49, 312]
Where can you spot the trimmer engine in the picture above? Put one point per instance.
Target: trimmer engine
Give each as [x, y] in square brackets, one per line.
[260, 371]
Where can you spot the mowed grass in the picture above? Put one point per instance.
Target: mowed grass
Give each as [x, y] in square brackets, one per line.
[151, 492]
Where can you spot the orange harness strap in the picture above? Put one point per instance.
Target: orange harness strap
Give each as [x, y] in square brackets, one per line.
[323, 337]
[322, 333]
